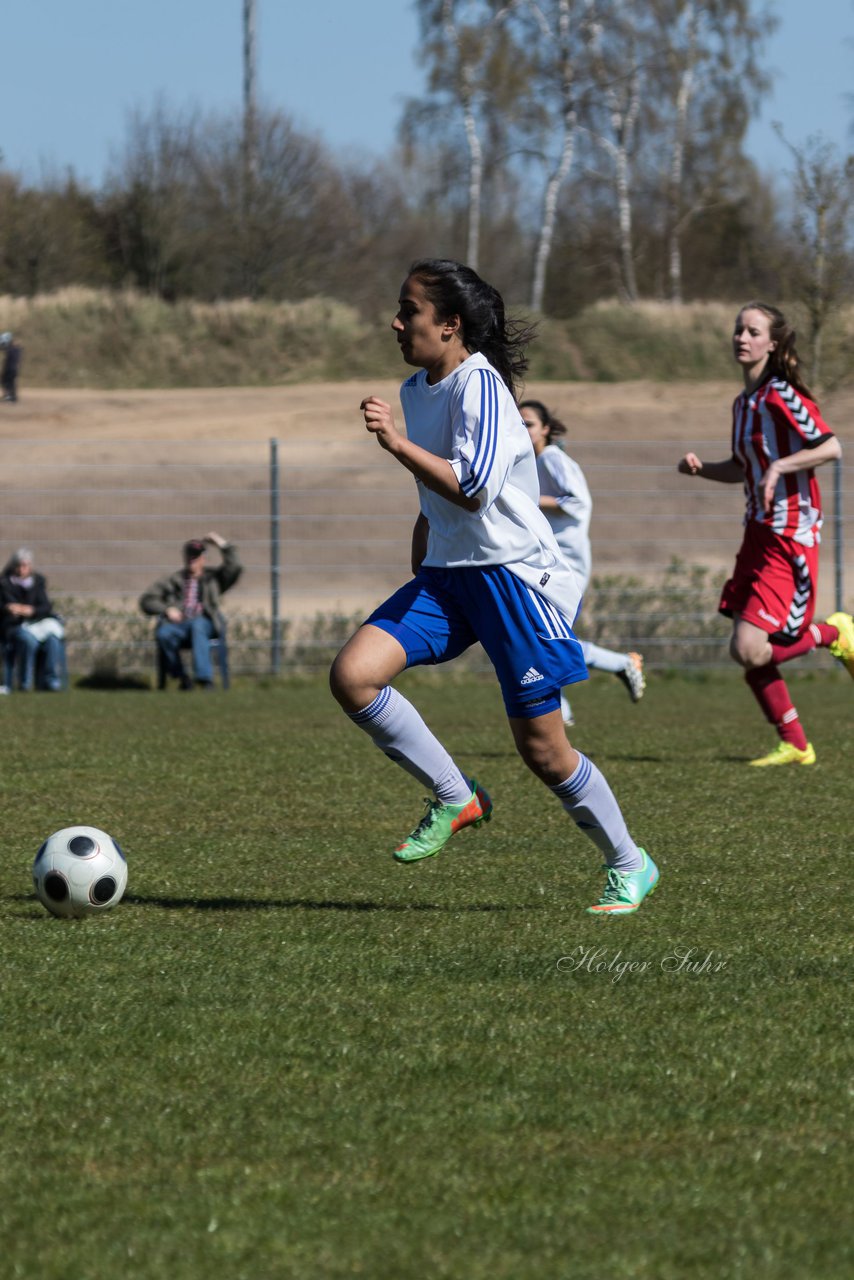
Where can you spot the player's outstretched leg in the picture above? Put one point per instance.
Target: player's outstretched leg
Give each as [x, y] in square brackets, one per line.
[358, 680]
[631, 874]
[771, 692]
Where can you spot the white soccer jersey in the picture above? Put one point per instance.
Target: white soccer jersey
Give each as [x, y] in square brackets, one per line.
[563, 479]
[471, 419]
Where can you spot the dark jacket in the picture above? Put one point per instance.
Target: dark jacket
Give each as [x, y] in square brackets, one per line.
[168, 592]
[11, 362]
[13, 593]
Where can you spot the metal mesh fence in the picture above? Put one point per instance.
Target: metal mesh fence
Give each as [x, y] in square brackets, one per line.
[322, 542]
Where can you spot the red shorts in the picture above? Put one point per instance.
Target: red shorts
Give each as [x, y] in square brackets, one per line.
[773, 584]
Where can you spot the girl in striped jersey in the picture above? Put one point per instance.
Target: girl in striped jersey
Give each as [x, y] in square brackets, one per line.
[486, 568]
[567, 505]
[778, 440]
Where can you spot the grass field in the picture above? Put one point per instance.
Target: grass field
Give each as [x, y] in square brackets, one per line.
[284, 1056]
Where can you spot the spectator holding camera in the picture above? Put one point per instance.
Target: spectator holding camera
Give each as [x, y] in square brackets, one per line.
[186, 604]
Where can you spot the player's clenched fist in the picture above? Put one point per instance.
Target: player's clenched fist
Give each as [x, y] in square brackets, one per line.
[380, 420]
[690, 464]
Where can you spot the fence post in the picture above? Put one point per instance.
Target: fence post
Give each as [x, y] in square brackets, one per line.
[276, 628]
[839, 537]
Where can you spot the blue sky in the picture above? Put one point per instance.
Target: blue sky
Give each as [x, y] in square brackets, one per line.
[73, 69]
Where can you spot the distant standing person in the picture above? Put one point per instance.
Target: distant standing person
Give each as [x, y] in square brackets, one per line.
[12, 352]
[187, 606]
[567, 505]
[778, 440]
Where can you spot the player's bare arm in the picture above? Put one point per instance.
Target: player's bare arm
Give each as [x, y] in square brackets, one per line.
[730, 471]
[804, 460]
[434, 472]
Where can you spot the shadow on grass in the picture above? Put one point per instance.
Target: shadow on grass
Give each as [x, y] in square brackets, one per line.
[627, 757]
[301, 904]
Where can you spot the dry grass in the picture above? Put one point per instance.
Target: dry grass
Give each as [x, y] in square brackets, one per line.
[81, 337]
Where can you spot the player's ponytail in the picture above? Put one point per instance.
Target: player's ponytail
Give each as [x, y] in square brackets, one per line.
[455, 289]
[784, 361]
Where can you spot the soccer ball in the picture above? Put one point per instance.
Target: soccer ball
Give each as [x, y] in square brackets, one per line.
[79, 871]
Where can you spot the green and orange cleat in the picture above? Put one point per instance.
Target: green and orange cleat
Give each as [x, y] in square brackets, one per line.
[440, 822]
[785, 753]
[843, 646]
[626, 890]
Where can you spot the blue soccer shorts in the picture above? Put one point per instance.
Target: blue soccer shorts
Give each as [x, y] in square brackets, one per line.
[442, 612]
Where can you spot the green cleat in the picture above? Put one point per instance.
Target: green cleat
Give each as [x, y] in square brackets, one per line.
[440, 822]
[626, 890]
[843, 646]
[785, 753]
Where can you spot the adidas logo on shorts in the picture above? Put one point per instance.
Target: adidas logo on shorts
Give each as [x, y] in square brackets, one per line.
[531, 676]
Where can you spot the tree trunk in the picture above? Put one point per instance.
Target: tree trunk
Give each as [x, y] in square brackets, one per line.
[677, 160]
[561, 170]
[466, 93]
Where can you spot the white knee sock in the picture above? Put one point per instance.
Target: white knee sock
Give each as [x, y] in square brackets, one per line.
[591, 804]
[603, 659]
[398, 730]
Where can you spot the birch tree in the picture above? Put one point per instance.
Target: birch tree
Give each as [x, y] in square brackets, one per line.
[823, 188]
[561, 30]
[616, 50]
[704, 53]
[470, 73]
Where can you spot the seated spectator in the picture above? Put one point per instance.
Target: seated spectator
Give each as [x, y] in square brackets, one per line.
[187, 606]
[28, 622]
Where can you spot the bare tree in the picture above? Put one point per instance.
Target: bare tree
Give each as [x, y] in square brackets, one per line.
[617, 59]
[562, 29]
[148, 194]
[476, 89]
[824, 195]
[702, 54]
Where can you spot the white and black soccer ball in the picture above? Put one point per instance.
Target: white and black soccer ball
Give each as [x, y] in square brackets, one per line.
[79, 871]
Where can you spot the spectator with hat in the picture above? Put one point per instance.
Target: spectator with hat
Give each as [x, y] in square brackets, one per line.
[186, 604]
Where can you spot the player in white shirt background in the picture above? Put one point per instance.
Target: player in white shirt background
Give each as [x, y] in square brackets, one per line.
[567, 505]
[486, 568]
[778, 440]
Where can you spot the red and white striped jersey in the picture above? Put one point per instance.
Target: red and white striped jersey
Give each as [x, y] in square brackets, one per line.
[773, 422]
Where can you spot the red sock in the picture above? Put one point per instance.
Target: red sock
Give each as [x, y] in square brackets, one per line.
[818, 635]
[769, 689]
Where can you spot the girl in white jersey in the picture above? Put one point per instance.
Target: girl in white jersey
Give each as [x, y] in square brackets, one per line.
[567, 505]
[778, 440]
[486, 568]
